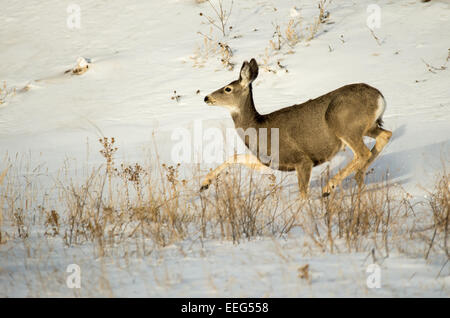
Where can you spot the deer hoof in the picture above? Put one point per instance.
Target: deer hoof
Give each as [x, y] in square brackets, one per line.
[327, 190]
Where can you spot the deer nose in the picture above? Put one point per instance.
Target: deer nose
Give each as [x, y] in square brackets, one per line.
[206, 99]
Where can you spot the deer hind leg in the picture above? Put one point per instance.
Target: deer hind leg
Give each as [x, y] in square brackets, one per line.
[381, 137]
[247, 160]
[303, 170]
[361, 155]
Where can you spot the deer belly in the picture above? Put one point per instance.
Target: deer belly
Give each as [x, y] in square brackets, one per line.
[325, 153]
[318, 154]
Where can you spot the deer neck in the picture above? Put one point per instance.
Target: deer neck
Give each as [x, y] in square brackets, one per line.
[247, 116]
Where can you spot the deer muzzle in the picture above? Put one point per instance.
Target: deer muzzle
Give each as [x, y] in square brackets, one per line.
[209, 100]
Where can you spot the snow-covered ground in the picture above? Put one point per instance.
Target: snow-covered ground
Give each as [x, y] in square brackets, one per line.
[141, 53]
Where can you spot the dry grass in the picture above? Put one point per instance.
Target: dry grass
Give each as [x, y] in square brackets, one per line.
[215, 45]
[293, 32]
[220, 16]
[354, 220]
[205, 50]
[2, 176]
[115, 205]
[319, 20]
[436, 234]
[212, 47]
[286, 37]
[125, 212]
[226, 54]
[242, 210]
[6, 92]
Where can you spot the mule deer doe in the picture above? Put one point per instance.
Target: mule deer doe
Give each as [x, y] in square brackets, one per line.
[310, 133]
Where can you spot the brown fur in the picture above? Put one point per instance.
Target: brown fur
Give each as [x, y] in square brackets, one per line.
[313, 132]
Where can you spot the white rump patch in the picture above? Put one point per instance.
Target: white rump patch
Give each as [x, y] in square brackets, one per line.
[381, 107]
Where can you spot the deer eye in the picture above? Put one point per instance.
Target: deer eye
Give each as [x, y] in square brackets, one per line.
[227, 89]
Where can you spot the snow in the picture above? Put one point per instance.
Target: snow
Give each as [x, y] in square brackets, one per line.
[140, 53]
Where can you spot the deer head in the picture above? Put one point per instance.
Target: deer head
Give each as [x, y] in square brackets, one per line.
[236, 94]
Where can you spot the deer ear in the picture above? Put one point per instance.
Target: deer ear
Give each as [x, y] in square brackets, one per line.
[249, 72]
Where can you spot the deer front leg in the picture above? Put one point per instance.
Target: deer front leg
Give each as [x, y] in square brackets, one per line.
[303, 170]
[247, 160]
